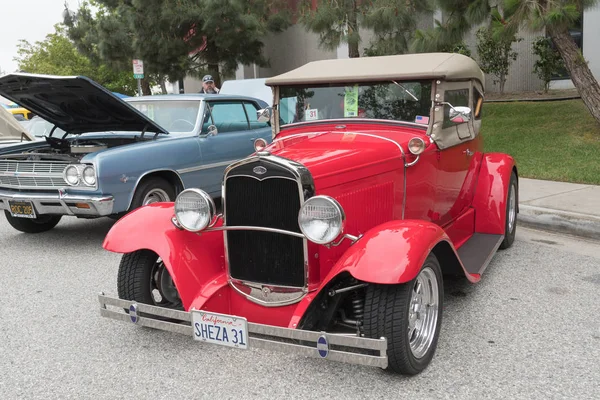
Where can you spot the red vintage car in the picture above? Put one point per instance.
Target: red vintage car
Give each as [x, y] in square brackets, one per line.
[333, 240]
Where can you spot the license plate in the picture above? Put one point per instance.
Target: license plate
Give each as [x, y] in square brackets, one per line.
[21, 208]
[221, 329]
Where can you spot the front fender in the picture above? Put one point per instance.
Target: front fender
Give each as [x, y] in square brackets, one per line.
[391, 253]
[490, 196]
[192, 260]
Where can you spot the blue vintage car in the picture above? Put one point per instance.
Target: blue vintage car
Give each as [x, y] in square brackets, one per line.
[104, 156]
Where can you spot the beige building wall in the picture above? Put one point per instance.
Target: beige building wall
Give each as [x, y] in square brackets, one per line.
[191, 84]
[286, 51]
[295, 47]
[591, 39]
[520, 76]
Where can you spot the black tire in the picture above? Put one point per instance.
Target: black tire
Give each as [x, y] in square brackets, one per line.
[509, 236]
[136, 282]
[40, 224]
[387, 310]
[152, 184]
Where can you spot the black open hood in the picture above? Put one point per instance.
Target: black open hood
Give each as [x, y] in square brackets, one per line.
[75, 104]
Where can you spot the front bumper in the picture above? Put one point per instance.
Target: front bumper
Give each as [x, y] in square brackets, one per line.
[344, 348]
[60, 203]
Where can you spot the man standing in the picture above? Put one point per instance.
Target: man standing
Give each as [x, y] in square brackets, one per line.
[208, 85]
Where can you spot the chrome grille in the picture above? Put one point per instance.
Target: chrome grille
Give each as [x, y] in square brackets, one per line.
[32, 174]
[271, 200]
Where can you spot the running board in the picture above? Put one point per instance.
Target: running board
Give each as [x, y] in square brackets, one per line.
[477, 252]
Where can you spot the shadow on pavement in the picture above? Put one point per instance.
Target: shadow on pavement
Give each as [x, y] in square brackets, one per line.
[68, 234]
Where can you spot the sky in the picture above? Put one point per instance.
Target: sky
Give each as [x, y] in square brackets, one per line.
[27, 19]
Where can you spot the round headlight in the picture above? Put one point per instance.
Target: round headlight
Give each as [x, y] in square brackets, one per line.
[89, 176]
[321, 219]
[71, 175]
[416, 145]
[194, 209]
[260, 144]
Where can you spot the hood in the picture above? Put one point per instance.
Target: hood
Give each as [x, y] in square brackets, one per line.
[11, 130]
[75, 104]
[331, 153]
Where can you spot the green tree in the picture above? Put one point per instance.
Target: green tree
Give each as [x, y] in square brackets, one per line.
[495, 55]
[57, 55]
[176, 38]
[459, 16]
[336, 22]
[393, 24]
[553, 16]
[494, 47]
[549, 61]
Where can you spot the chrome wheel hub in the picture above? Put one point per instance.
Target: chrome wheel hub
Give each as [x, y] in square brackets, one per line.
[163, 290]
[512, 208]
[423, 313]
[155, 196]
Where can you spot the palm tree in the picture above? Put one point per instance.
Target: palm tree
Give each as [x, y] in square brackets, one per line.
[555, 16]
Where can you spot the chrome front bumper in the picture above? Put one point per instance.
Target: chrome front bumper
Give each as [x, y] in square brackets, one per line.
[59, 203]
[349, 349]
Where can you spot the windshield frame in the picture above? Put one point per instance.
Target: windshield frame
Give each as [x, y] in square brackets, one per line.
[278, 125]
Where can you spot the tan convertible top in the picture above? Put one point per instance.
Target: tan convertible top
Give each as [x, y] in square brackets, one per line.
[447, 66]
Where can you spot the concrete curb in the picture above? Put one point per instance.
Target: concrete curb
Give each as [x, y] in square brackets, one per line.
[532, 99]
[576, 224]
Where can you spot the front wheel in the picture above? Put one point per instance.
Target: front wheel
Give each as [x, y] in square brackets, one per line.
[152, 190]
[144, 278]
[410, 316]
[42, 223]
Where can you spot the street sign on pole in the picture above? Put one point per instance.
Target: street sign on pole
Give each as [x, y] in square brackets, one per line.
[138, 69]
[138, 73]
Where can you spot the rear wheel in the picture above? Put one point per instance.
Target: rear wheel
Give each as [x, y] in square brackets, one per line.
[42, 223]
[510, 224]
[144, 278]
[409, 316]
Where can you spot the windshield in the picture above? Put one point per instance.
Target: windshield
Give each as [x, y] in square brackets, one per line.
[176, 116]
[393, 100]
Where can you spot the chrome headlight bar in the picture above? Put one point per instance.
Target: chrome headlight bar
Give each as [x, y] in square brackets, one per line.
[321, 218]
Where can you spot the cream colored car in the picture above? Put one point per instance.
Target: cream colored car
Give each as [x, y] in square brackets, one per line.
[11, 131]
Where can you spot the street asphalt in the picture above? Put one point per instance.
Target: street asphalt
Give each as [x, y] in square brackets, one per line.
[529, 330]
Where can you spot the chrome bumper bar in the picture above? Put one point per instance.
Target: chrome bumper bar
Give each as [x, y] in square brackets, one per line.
[343, 348]
[61, 204]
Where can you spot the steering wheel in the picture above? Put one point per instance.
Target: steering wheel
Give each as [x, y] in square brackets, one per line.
[185, 121]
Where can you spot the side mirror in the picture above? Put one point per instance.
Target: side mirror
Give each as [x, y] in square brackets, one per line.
[212, 130]
[264, 115]
[460, 114]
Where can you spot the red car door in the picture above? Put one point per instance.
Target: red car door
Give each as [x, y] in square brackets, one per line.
[458, 160]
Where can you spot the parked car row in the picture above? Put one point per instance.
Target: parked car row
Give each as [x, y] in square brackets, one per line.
[104, 156]
[345, 202]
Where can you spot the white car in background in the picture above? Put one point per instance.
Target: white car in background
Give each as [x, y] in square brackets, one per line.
[249, 87]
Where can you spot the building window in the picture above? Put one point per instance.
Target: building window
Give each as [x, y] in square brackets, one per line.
[576, 32]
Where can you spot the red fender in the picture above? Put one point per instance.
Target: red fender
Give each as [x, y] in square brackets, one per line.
[391, 253]
[490, 195]
[184, 253]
